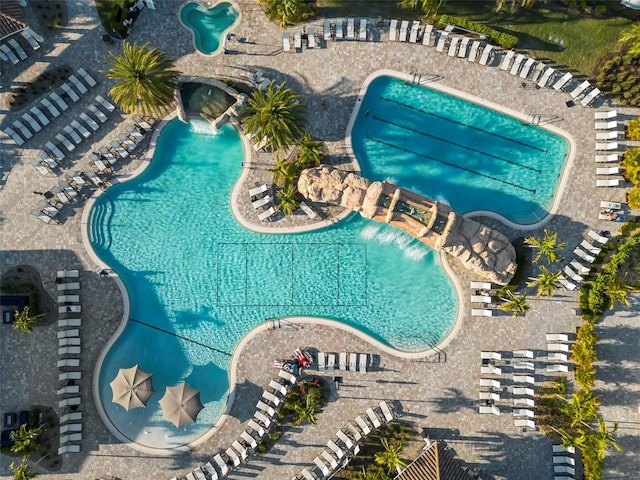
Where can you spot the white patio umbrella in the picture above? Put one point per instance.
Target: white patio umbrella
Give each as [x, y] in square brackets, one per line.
[181, 404]
[132, 387]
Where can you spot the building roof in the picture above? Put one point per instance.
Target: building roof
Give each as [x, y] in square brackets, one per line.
[12, 18]
[435, 463]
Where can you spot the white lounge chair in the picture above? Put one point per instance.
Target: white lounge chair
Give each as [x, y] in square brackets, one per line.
[528, 402]
[613, 182]
[607, 146]
[566, 283]
[69, 389]
[363, 425]
[564, 459]
[105, 103]
[557, 337]
[590, 97]
[611, 205]
[481, 312]
[523, 391]
[286, 42]
[611, 157]
[233, 456]
[41, 216]
[68, 449]
[343, 361]
[442, 39]
[562, 81]
[591, 248]
[321, 361]
[42, 118]
[526, 68]
[484, 58]
[267, 214]
[246, 436]
[87, 77]
[563, 449]
[69, 286]
[344, 438]
[524, 422]
[335, 449]
[70, 309]
[35, 126]
[489, 409]
[404, 28]
[323, 468]
[326, 30]
[524, 366]
[353, 362]
[480, 299]
[362, 34]
[558, 347]
[522, 354]
[413, 33]
[546, 75]
[524, 379]
[517, 63]
[490, 370]
[489, 382]
[266, 421]
[9, 54]
[426, 35]
[584, 255]
[364, 360]
[67, 273]
[83, 131]
[278, 387]
[453, 47]
[271, 398]
[375, 421]
[354, 432]
[263, 407]
[224, 468]
[597, 237]
[572, 275]
[489, 396]
[69, 322]
[393, 30]
[611, 135]
[351, 35]
[289, 377]
[18, 48]
[68, 333]
[68, 298]
[523, 412]
[557, 368]
[259, 431]
[101, 117]
[339, 28]
[69, 92]
[72, 416]
[490, 355]
[49, 106]
[14, 135]
[58, 101]
[261, 202]
[579, 267]
[481, 285]
[42, 169]
[257, 190]
[331, 362]
[69, 402]
[78, 84]
[579, 89]
[605, 115]
[71, 341]
[30, 36]
[308, 210]
[606, 125]
[464, 44]
[24, 131]
[506, 61]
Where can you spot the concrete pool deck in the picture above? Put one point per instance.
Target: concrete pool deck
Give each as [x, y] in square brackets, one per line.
[422, 390]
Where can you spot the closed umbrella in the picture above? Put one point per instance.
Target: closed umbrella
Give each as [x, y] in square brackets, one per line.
[181, 404]
[132, 387]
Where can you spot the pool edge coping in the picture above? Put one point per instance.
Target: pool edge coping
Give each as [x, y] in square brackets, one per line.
[225, 32]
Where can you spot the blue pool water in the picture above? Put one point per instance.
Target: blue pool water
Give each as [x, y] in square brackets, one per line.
[455, 151]
[209, 25]
[198, 282]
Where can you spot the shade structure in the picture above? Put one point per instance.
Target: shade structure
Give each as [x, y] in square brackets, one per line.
[132, 387]
[181, 404]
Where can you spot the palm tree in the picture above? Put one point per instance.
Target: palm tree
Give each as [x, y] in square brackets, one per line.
[22, 471]
[289, 200]
[146, 79]
[24, 321]
[283, 171]
[275, 113]
[25, 439]
[286, 12]
[582, 407]
[429, 7]
[390, 456]
[516, 304]
[546, 246]
[599, 441]
[617, 291]
[632, 36]
[310, 151]
[515, 4]
[547, 282]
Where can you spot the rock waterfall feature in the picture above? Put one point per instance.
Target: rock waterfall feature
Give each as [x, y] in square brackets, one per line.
[481, 249]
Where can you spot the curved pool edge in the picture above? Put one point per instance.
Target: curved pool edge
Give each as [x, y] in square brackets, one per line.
[568, 164]
[223, 36]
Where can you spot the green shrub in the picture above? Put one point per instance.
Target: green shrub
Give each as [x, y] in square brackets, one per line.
[505, 40]
[633, 197]
[597, 301]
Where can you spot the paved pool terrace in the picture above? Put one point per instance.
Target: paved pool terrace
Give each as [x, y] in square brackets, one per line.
[422, 390]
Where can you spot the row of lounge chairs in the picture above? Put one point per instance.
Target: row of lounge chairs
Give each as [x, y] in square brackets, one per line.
[267, 408]
[345, 29]
[611, 211]
[50, 108]
[69, 349]
[607, 129]
[587, 252]
[564, 463]
[346, 443]
[357, 362]
[482, 292]
[14, 50]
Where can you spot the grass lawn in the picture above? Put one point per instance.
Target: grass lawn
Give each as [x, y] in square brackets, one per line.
[586, 39]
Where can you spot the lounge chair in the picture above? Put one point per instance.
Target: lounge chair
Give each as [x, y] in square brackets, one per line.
[51, 162]
[119, 149]
[41, 216]
[321, 361]
[68, 333]
[9, 54]
[363, 425]
[289, 377]
[522, 354]
[246, 436]
[18, 48]
[386, 411]
[579, 267]
[426, 35]
[69, 92]
[69, 286]
[87, 77]
[71, 341]
[557, 368]
[70, 309]
[489, 382]
[526, 68]
[339, 28]
[490, 370]
[481, 312]
[331, 362]
[78, 84]
[134, 133]
[490, 355]
[49, 106]
[69, 350]
[69, 402]
[259, 431]
[68, 189]
[40, 116]
[105, 103]
[80, 128]
[515, 68]
[104, 154]
[266, 421]
[326, 30]
[607, 125]
[354, 432]
[524, 422]
[344, 438]
[484, 58]
[614, 182]
[572, 275]
[607, 146]
[362, 34]
[480, 299]
[330, 459]
[350, 29]
[73, 416]
[286, 42]
[584, 255]
[39, 167]
[35, 126]
[69, 322]
[278, 387]
[75, 177]
[308, 210]
[404, 29]
[95, 179]
[592, 248]
[266, 214]
[58, 101]
[590, 97]
[606, 115]
[224, 468]
[127, 142]
[558, 347]
[271, 398]
[523, 412]
[579, 89]
[323, 468]
[442, 39]
[24, 131]
[611, 157]
[68, 449]
[506, 61]
[524, 379]
[265, 408]
[489, 396]
[199, 474]
[611, 135]
[563, 459]
[481, 285]
[610, 205]
[335, 448]
[364, 360]
[233, 456]
[393, 30]
[68, 298]
[297, 39]
[353, 362]
[597, 237]
[563, 449]
[257, 190]
[261, 202]
[562, 81]
[464, 44]
[14, 136]
[240, 449]
[566, 283]
[101, 117]
[72, 134]
[343, 361]
[528, 402]
[489, 409]
[453, 47]
[524, 366]
[523, 391]
[413, 32]
[67, 273]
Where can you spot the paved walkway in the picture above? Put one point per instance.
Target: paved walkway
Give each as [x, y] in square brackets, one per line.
[439, 398]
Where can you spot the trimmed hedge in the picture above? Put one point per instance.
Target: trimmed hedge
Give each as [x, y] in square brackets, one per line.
[505, 40]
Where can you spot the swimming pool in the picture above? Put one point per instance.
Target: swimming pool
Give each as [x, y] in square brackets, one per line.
[209, 25]
[457, 151]
[198, 286]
